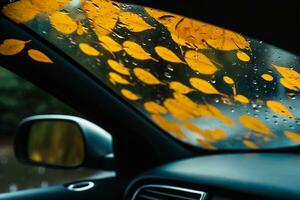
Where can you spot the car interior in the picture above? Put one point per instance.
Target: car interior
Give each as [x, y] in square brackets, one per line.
[240, 154]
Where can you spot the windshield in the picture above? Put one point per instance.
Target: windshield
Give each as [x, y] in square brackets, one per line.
[203, 85]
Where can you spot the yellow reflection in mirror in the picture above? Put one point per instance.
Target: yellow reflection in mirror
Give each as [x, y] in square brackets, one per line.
[56, 143]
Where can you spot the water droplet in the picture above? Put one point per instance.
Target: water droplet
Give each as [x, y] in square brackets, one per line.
[167, 74]
[170, 67]
[291, 95]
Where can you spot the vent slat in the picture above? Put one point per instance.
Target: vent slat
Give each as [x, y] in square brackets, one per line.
[166, 192]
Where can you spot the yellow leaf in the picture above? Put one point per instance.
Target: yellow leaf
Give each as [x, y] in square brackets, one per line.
[62, 22]
[205, 144]
[241, 98]
[118, 67]
[154, 108]
[228, 80]
[192, 127]
[145, 76]
[102, 14]
[48, 6]
[199, 62]
[292, 136]
[279, 109]
[109, 44]
[209, 110]
[267, 77]
[117, 78]
[136, 51]
[287, 84]
[129, 95]
[203, 86]
[170, 127]
[250, 144]
[179, 87]
[291, 77]
[177, 110]
[167, 54]
[255, 124]
[39, 56]
[242, 56]
[20, 11]
[134, 22]
[88, 50]
[11, 47]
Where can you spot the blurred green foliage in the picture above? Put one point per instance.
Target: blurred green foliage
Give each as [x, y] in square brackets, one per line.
[20, 99]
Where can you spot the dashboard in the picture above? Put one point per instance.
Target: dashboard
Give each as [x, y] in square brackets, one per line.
[226, 176]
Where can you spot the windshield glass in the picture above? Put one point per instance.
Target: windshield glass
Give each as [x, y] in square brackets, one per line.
[205, 86]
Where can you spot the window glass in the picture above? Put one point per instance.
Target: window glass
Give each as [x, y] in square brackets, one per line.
[203, 85]
[20, 99]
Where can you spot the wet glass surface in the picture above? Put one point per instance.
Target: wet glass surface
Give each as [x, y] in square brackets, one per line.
[206, 86]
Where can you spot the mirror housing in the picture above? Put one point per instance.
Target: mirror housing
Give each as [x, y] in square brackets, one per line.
[92, 149]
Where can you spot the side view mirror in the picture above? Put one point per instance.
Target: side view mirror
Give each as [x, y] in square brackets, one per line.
[61, 141]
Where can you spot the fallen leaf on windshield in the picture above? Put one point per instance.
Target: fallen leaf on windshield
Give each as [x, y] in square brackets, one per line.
[80, 29]
[205, 144]
[62, 22]
[192, 127]
[241, 98]
[154, 108]
[177, 110]
[279, 109]
[88, 49]
[267, 77]
[170, 127]
[145, 76]
[208, 110]
[292, 136]
[180, 87]
[11, 47]
[291, 78]
[134, 22]
[20, 11]
[117, 78]
[250, 144]
[167, 54]
[129, 95]
[199, 62]
[136, 51]
[109, 44]
[48, 6]
[203, 86]
[242, 56]
[228, 80]
[118, 67]
[39, 56]
[254, 124]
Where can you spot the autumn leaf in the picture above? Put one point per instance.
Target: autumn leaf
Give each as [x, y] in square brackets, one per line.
[20, 11]
[267, 77]
[203, 86]
[228, 80]
[46, 6]
[241, 98]
[80, 29]
[117, 78]
[250, 144]
[208, 110]
[186, 104]
[134, 22]
[39, 56]
[279, 109]
[192, 127]
[154, 108]
[88, 49]
[11, 47]
[109, 44]
[118, 67]
[177, 110]
[254, 124]
[145, 76]
[242, 56]
[291, 78]
[167, 54]
[180, 87]
[136, 51]
[292, 136]
[205, 144]
[62, 22]
[199, 62]
[129, 95]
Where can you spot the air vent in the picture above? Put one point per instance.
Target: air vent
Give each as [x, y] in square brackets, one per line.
[166, 192]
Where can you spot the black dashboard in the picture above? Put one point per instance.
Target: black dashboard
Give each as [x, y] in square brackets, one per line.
[226, 176]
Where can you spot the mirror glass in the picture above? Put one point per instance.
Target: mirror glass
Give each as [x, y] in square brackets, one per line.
[56, 142]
